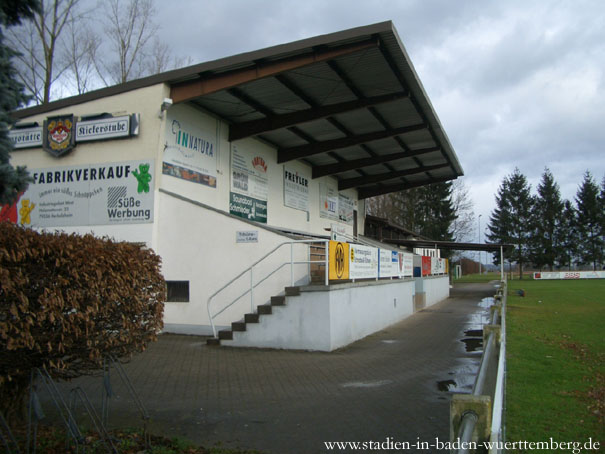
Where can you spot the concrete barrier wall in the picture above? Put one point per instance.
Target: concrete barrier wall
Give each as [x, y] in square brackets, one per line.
[437, 288]
[327, 319]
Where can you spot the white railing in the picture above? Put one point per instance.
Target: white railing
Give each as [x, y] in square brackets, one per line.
[470, 418]
[278, 267]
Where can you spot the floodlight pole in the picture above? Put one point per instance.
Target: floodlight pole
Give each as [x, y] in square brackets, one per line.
[479, 243]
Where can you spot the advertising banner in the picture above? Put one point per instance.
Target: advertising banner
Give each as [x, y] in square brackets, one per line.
[190, 152]
[339, 260]
[328, 200]
[388, 264]
[363, 262]
[346, 206]
[406, 264]
[248, 208]
[570, 275]
[296, 189]
[94, 194]
[249, 185]
[426, 265]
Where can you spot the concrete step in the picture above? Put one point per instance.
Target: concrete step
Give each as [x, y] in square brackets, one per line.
[278, 301]
[264, 309]
[292, 291]
[213, 341]
[238, 326]
[251, 318]
[225, 334]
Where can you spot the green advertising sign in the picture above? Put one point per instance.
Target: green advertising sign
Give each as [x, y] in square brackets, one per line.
[248, 208]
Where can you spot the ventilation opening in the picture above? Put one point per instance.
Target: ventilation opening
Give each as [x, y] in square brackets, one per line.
[177, 291]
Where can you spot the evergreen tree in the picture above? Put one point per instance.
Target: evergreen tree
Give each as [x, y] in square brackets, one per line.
[510, 222]
[567, 236]
[12, 181]
[590, 222]
[437, 212]
[546, 217]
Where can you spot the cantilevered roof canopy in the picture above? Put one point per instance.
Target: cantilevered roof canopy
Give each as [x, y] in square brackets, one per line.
[350, 104]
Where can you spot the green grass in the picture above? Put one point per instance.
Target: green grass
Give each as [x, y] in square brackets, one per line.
[555, 361]
[471, 278]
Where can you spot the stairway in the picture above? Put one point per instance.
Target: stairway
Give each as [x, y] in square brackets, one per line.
[261, 310]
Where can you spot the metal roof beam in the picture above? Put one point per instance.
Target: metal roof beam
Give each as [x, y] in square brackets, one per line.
[364, 193]
[333, 169]
[290, 154]
[271, 123]
[355, 182]
[203, 85]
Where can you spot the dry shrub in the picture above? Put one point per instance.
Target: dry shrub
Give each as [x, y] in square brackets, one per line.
[67, 300]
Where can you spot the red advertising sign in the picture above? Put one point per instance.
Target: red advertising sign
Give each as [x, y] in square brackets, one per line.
[426, 265]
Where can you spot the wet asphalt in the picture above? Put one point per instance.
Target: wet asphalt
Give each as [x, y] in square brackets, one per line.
[395, 384]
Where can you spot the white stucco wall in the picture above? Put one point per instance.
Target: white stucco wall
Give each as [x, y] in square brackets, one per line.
[325, 320]
[199, 245]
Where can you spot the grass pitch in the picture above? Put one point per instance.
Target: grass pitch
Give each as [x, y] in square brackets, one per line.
[555, 361]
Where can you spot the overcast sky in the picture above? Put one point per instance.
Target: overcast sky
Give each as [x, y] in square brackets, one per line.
[516, 83]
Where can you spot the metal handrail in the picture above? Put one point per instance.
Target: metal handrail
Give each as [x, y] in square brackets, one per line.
[250, 269]
[470, 418]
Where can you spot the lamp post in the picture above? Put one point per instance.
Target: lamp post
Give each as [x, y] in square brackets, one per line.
[479, 243]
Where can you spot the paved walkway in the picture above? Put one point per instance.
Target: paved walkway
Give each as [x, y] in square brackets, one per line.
[287, 402]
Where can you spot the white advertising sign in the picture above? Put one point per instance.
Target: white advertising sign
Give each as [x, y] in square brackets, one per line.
[363, 263]
[190, 152]
[26, 137]
[296, 189]
[328, 200]
[570, 275]
[406, 264]
[346, 206]
[246, 236]
[248, 174]
[106, 128]
[95, 194]
[388, 265]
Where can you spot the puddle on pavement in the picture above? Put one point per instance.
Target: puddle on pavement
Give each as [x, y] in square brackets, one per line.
[390, 341]
[486, 302]
[444, 385]
[461, 378]
[473, 344]
[366, 384]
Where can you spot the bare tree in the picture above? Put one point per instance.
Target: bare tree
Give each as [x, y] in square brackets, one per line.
[463, 226]
[38, 42]
[80, 45]
[129, 29]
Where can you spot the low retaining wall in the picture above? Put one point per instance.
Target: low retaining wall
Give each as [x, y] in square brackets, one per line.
[325, 319]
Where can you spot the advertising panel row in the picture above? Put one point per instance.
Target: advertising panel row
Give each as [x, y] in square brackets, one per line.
[354, 261]
[570, 275]
[427, 266]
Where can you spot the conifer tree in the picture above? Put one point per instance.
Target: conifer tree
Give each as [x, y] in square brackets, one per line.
[590, 222]
[567, 236]
[12, 180]
[510, 222]
[546, 217]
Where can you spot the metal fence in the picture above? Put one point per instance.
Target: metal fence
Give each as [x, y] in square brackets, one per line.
[477, 419]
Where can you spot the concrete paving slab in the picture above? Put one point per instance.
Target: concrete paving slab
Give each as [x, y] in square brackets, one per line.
[393, 385]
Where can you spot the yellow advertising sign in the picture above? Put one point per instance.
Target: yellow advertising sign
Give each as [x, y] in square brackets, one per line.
[339, 260]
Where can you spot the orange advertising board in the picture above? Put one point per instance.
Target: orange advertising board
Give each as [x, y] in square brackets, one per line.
[339, 260]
